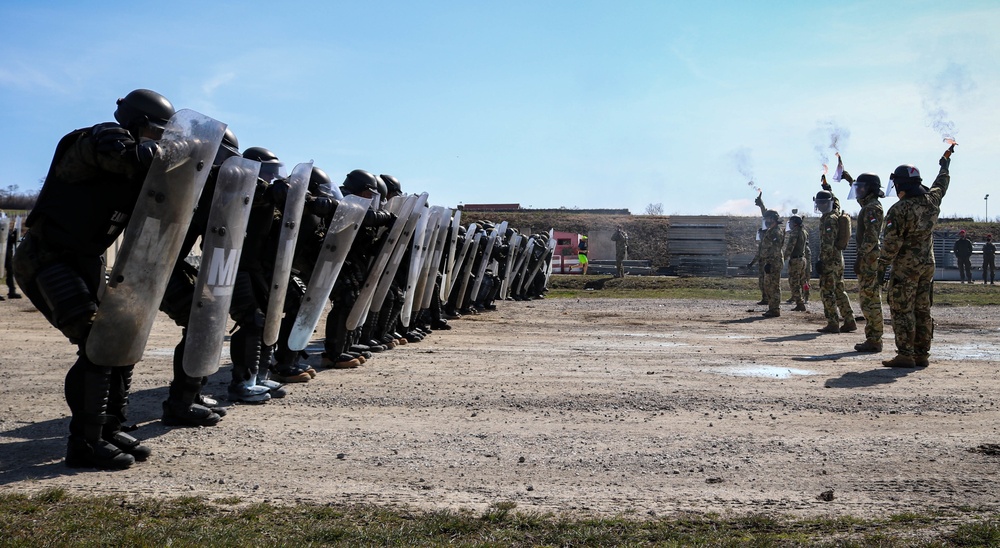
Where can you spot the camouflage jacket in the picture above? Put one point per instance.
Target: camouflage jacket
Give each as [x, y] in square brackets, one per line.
[796, 242]
[870, 224]
[828, 230]
[909, 241]
[771, 242]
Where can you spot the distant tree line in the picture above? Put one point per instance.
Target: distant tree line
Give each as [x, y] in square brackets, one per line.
[12, 198]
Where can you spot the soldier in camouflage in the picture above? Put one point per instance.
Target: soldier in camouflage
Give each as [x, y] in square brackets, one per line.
[795, 249]
[831, 266]
[908, 248]
[868, 189]
[771, 242]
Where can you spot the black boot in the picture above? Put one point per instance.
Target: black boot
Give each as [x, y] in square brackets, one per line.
[121, 385]
[87, 387]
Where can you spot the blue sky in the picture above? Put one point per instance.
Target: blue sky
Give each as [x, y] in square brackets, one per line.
[587, 104]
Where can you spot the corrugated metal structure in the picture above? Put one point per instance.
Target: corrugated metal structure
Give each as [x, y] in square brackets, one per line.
[697, 245]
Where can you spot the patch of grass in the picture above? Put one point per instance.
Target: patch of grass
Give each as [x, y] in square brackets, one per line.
[195, 521]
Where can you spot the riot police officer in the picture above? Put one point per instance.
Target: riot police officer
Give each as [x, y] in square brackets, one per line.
[89, 194]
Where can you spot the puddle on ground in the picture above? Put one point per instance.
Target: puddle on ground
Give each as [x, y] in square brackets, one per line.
[764, 371]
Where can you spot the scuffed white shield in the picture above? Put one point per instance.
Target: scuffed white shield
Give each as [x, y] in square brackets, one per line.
[402, 245]
[451, 248]
[401, 207]
[340, 235]
[222, 245]
[470, 260]
[153, 238]
[291, 220]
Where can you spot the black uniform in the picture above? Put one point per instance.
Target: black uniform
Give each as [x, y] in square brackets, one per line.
[89, 194]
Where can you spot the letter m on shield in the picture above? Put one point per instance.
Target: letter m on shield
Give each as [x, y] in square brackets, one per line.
[222, 270]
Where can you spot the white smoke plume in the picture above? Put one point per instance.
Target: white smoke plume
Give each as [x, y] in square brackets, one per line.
[828, 136]
[744, 165]
[941, 93]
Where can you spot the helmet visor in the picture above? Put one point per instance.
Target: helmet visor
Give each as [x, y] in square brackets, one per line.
[269, 171]
[824, 206]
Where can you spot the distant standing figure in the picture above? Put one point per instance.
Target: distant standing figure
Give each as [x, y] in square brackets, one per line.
[12, 238]
[989, 259]
[620, 238]
[583, 250]
[795, 249]
[963, 254]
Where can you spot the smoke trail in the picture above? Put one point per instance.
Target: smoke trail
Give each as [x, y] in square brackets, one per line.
[947, 86]
[744, 165]
[828, 136]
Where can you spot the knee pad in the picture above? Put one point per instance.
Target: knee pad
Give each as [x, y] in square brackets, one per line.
[72, 304]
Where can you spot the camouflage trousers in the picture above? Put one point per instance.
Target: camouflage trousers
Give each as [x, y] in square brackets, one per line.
[620, 258]
[760, 281]
[870, 295]
[834, 294]
[797, 278]
[772, 287]
[910, 298]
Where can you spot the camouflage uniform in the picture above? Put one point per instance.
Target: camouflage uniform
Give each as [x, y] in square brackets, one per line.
[795, 249]
[870, 222]
[831, 279]
[771, 242]
[807, 254]
[620, 237]
[909, 248]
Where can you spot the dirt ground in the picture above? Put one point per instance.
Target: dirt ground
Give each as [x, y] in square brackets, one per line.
[594, 406]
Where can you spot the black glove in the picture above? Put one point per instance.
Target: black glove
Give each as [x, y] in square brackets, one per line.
[748, 266]
[322, 206]
[147, 151]
[819, 267]
[846, 177]
[758, 202]
[767, 268]
[278, 192]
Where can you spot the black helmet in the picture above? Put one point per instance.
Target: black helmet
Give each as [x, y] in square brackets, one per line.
[270, 166]
[144, 108]
[824, 201]
[771, 214]
[383, 189]
[868, 183]
[321, 185]
[392, 184]
[359, 181]
[906, 178]
[229, 147]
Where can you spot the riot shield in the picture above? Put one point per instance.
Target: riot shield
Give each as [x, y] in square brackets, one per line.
[546, 255]
[470, 236]
[4, 228]
[435, 259]
[153, 239]
[522, 264]
[451, 245]
[402, 244]
[417, 248]
[483, 264]
[291, 219]
[222, 245]
[340, 235]
[432, 259]
[513, 246]
[466, 274]
[401, 207]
